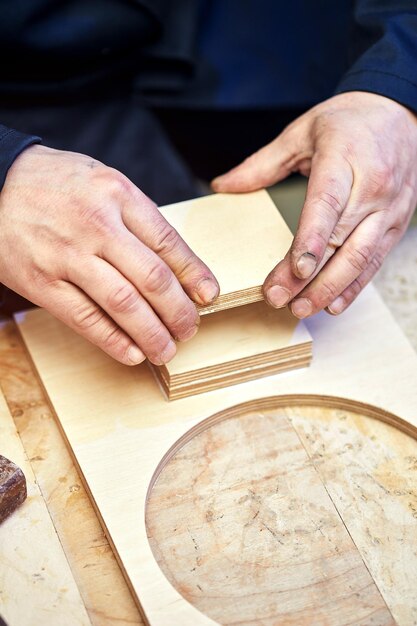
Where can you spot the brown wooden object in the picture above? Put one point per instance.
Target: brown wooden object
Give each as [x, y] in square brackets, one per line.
[12, 487]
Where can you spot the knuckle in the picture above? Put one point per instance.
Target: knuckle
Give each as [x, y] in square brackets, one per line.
[330, 203]
[167, 239]
[116, 183]
[397, 230]
[354, 289]
[329, 291]
[376, 262]
[352, 292]
[380, 182]
[124, 299]
[98, 217]
[113, 340]
[191, 269]
[336, 240]
[158, 279]
[359, 258]
[155, 335]
[185, 319]
[40, 278]
[154, 340]
[86, 316]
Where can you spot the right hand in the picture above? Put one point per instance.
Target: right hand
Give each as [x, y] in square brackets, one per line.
[79, 239]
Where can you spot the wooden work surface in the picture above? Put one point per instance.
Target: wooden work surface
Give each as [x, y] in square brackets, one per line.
[94, 567]
[123, 435]
[96, 572]
[102, 586]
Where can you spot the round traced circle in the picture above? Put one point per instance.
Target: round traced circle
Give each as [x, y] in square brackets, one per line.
[263, 514]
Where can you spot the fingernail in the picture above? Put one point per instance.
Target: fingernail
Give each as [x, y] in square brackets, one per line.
[135, 356]
[278, 296]
[207, 291]
[169, 352]
[306, 265]
[337, 305]
[302, 308]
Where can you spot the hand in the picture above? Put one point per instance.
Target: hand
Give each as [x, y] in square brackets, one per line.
[360, 153]
[79, 239]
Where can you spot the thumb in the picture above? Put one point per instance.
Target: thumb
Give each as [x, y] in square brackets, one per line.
[267, 166]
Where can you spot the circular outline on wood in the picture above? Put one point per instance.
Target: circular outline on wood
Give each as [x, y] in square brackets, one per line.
[276, 402]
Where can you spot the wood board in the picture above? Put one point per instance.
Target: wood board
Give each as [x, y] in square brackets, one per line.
[120, 428]
[36, 583]
[241, 237]
[97, 574]
[234, 346]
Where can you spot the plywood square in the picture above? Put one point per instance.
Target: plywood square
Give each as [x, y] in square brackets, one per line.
[241, 237]
[123, 433]
[235, 345]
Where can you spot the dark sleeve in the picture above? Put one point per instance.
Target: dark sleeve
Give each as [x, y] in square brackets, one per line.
[12, 143]
[384, 50]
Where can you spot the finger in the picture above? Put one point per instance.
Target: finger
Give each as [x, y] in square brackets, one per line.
[70, 305]
[350, 261]
[149, 226]
[281, 286]
[269, 165]
[328, 193]
[125, 305]
[350, 294]
[155, 281]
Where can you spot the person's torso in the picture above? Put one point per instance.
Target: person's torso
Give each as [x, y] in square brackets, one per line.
[197, 53]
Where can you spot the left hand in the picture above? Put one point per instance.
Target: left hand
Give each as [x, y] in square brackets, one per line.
[360, 153]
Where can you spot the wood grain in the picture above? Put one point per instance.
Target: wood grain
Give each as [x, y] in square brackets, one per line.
[36, 583]
[370, 472]
[241, 237]
[264, 543]
[104, 591]
[119, 427]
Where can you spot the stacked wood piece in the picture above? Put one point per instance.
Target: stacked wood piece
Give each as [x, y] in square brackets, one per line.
[241, 237]
[235, 346]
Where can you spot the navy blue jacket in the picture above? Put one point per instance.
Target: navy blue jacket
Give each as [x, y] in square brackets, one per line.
[210, 54]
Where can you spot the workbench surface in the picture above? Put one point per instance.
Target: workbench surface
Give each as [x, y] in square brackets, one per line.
[95, 569]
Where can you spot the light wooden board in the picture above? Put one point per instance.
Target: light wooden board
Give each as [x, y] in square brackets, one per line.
[241, 237]
[236, 345]
[120, 427]
[36, 583]
[96, 572]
